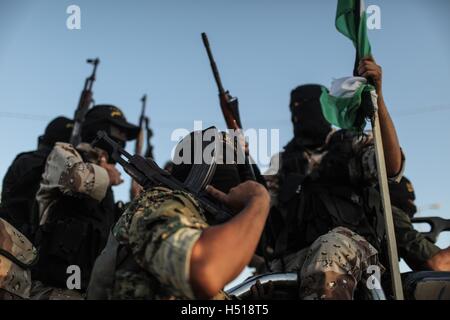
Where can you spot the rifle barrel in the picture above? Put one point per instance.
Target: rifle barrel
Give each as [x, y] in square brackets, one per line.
[213, 64]
[90, 81]
[144, 105]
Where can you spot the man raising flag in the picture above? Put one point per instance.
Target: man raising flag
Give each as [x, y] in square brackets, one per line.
[327, 220]
[353, 99]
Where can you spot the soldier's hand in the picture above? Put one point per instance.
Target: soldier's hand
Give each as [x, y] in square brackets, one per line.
[368, 68]
[136, 189]
[240, 196]
[440, 261]
[113, 174]
[243, 143]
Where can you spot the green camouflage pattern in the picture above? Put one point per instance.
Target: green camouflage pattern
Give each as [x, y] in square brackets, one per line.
[412, 245]
[15, 281]
[160, 228]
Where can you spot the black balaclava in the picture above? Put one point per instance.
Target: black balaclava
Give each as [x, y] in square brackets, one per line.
[226, 175]
[110, 119]
[310, 126]
[403, 196]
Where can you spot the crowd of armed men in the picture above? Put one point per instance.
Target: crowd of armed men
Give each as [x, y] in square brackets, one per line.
[319, 215]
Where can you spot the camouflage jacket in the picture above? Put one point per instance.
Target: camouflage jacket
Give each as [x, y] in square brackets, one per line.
[159, 228]
[315, 190]
[67, 173]
[17, 254]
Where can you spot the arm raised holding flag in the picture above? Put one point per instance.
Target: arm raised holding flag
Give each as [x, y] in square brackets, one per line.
[368, 69]
[342, 184]
[350, 106]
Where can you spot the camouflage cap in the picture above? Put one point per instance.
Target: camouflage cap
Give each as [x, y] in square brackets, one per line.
[17, 255]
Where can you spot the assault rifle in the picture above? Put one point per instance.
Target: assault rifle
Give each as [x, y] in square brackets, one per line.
[140, 138]
[437, 226]
[228, 104]
[148, 174]
[83, 104]
[144, 133]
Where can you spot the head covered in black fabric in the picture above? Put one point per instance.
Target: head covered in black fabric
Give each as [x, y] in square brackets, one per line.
[58, 130]
[110, 119]
[310, 126]
[403, 196]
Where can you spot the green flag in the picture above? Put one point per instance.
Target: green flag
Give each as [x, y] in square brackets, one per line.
[341, 104]
[351, 21]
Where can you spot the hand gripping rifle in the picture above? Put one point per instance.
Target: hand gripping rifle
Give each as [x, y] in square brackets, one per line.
[84, 104]
[228, 104]
[148, 174]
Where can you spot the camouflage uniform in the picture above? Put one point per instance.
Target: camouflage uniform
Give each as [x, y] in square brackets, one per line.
[76, 213]
[332, 265]
[15, 276]
[159, 229]
[66, 172]
[412, 245]
[40, 291]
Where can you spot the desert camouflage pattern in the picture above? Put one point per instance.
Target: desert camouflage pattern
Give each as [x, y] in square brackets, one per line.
[332, 266]
[67, 173]
[160, 229]
[15, 281]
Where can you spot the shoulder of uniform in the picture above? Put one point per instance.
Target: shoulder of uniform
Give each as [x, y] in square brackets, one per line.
[22, 158]
[15, 245]
[64, 149]
[163, 193]
[63, 145]
[22, 154]
[147, 209]
[163, 196]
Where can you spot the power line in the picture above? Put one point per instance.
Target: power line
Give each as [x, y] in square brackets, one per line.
[411, 112]
[24, 116]
[422, 110]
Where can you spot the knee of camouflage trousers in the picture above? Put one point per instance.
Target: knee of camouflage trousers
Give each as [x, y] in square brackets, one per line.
[334, 264]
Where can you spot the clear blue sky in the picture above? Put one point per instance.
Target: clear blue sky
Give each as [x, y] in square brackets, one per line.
[263, 49]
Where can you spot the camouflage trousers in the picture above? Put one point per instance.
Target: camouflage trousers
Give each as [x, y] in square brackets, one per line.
[332, 266]
[39, 291]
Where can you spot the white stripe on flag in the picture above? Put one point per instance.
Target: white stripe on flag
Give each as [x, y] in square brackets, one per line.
[346, 87]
